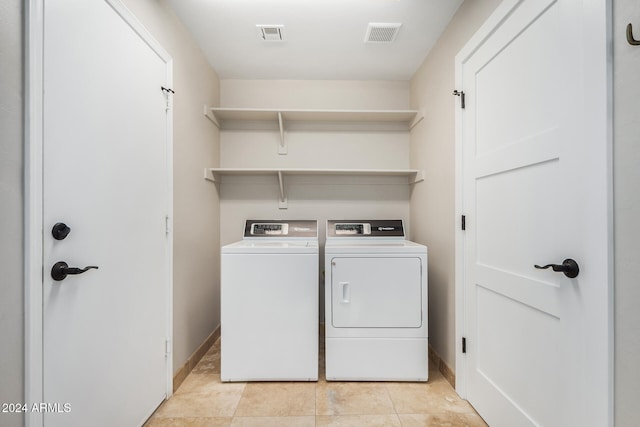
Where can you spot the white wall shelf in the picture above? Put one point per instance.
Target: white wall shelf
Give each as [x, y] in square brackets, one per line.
[225, 116]
[213, 174]
[239, 118]
[329, 120]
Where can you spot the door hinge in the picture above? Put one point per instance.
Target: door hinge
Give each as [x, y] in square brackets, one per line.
[167, 225]
[167, 347]
[463, 223]
[167, 91]
[461, 95]
[464, 345]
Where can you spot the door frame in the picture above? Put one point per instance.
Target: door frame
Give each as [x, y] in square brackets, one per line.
[598, 12]
[34, 267]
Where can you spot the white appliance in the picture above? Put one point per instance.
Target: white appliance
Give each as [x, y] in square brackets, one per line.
[375, 303]
[269, 303]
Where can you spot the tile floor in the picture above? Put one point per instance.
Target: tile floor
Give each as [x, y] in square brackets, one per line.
[203, 400]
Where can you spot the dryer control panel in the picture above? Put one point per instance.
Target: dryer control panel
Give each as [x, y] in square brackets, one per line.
[366, 228]
[353, 228]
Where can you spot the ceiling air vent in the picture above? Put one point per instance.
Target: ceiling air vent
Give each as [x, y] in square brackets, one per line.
[271, 33]
[381, 33]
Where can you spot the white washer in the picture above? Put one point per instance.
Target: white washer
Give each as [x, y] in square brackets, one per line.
[269, 303]
[375, 303]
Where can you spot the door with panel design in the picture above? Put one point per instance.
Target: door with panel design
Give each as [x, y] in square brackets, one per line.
[534, 179]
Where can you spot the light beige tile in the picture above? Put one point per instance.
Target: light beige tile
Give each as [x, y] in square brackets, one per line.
[413, 398]
[203, 400]
[188, 422]
[199, 405]
[434, 373]
[274, 421]
[277, 399]
[352, 398]
[322, 368]
[449, 419]
[203, 383]
[209, 364]
[202, 396]
[358, 421]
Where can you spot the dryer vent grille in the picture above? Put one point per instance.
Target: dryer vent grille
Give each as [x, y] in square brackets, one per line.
[381, 33]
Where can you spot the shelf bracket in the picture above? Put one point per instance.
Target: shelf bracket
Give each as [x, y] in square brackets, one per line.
[417, 120]
[210, 175]
[282, 202]
[282, 148]
[417, 177]
[209, 115]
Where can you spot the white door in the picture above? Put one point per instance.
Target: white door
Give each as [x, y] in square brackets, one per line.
[535, 176]
[106, 176]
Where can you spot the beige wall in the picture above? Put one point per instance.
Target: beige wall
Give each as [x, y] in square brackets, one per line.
[432, 149]
[315, 94]
[11, 211]
[312, 197]
[626, 160]
[196, 287]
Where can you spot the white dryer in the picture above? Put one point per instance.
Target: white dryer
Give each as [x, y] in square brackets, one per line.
[269, 303]
[375, 303]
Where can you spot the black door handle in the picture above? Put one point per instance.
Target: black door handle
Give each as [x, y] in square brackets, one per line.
[60, 231]
[61, 270]
[569, 267]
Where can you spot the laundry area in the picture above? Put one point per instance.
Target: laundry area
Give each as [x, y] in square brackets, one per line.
[319, 213]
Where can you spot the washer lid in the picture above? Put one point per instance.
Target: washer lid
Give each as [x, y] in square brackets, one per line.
[272, 247]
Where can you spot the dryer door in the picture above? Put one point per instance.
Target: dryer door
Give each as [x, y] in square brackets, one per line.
[376, 292]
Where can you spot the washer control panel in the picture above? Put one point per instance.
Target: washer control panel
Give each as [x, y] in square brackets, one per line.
[280, 228]
[266, 229]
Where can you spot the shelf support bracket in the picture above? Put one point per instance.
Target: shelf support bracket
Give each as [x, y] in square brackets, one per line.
[417, 177]
[417, 120]
[282, 148]
[210, 175]
[210, 116]
[282, 202]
